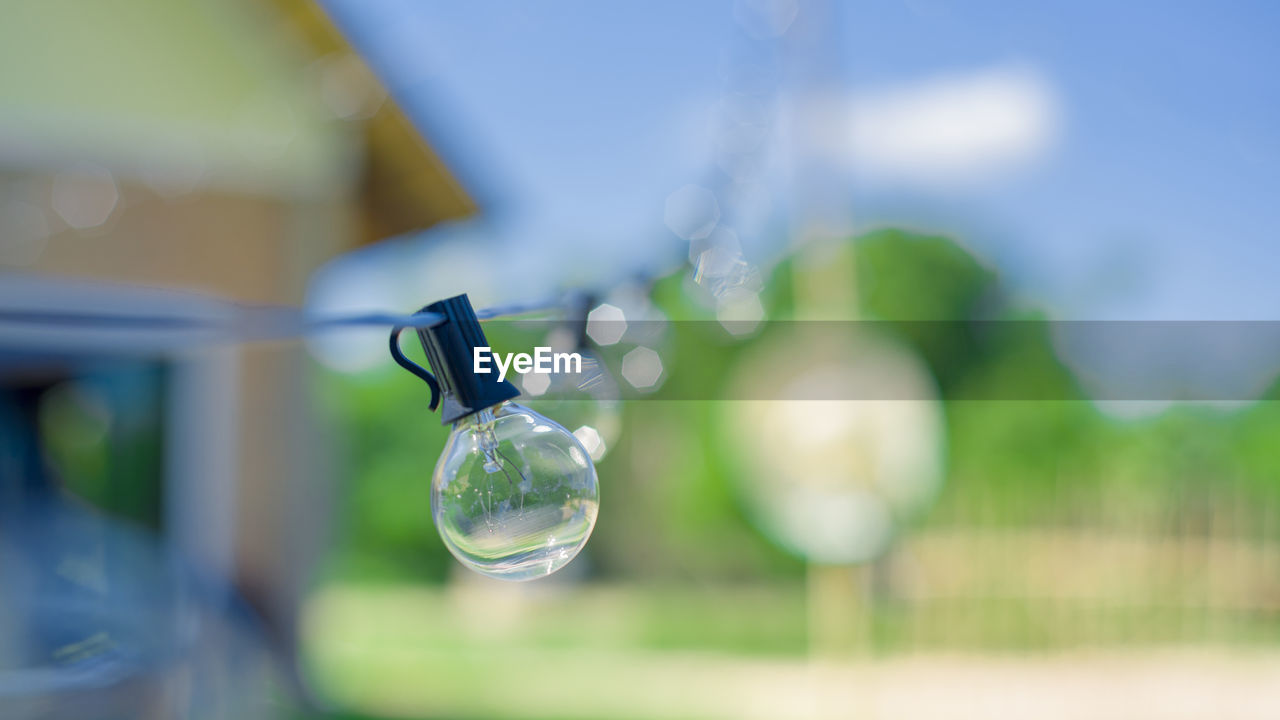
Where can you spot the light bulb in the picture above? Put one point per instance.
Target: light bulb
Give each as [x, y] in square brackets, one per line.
[514, 494]
[849, 451]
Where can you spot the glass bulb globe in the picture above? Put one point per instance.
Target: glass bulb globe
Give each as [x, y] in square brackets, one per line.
[514, 495]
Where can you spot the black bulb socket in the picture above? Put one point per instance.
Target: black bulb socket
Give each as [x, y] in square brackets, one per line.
[450, 347]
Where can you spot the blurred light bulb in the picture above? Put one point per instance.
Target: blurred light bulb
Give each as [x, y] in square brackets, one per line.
[640, 350]
[848, 451]
[514, 494]
[585, 398]
[585, 402]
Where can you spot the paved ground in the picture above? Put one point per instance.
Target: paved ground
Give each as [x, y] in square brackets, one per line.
[461, 655]
[567, 683]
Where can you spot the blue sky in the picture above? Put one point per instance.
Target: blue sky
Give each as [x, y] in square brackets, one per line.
[1143, 186]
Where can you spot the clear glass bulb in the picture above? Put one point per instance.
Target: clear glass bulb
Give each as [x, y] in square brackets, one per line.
[514, 495]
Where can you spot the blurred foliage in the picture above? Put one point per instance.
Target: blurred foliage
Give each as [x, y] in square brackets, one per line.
[387, 443]
[101, 432]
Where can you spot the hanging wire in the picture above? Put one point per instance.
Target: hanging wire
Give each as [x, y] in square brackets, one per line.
[502, 311]
[246, 323]
[242, 323]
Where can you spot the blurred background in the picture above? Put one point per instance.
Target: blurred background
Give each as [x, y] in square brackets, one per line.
[933, 363]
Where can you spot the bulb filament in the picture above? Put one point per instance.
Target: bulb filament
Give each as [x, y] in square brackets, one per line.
[496, 462]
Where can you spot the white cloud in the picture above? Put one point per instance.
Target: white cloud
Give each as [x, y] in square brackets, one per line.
[946, 129]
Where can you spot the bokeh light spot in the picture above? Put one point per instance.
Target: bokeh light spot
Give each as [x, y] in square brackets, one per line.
[740, 313]
[642, 367]
[84, 197]
[606, 324]
[591, 440]
[536, 383]
[692, 212]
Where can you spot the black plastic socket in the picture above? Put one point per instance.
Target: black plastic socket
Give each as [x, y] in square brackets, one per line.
[450, 347]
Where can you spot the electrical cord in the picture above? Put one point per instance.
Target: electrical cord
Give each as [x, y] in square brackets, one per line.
[246, 323]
